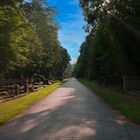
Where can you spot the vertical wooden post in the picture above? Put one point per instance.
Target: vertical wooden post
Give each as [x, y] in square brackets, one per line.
[104, 81]
[16, 89]
[124, 84]
[32, 83]
[26, 86]
[61, 78]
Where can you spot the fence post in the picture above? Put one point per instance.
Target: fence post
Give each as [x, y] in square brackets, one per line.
[32, 83]
[61, 78]
[16, 89]
[26, 86]
[124, 84]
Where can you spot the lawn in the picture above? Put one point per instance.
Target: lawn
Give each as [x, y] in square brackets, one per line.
[10, 109]
[128, 105]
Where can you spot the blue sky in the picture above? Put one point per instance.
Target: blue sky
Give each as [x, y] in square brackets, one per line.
[70, 19]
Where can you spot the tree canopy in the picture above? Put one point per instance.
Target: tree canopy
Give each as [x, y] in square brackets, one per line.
[112, 46]
[29, 40]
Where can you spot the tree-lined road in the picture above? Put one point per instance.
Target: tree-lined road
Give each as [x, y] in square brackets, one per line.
[71, 112]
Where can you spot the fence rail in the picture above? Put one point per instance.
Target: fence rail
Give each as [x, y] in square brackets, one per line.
[12, 87]
[131, 83]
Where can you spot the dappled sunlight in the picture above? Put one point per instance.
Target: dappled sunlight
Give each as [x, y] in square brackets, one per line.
[28, 125]
[51, 103]
[68, 113]
[67, 68]
[72, 131]
[121, 120]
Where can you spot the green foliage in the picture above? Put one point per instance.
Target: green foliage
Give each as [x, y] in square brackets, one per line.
[59, 69]
[69, 70]
[43, 19]
[29, 40]
[112, 46]
[39, 78]
[13, 25]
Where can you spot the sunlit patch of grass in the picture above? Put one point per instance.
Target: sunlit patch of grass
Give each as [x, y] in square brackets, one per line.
[128, 105]
[10, 109]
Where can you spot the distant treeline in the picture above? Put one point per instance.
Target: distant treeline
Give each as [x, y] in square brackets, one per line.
[112, 46]
[29, 40]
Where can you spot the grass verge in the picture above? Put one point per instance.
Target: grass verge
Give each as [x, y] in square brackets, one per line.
[128, 105]
[10, 109]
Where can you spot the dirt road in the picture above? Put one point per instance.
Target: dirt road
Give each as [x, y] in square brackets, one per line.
[71, 112]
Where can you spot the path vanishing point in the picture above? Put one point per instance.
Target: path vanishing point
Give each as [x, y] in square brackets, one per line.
[71, 112]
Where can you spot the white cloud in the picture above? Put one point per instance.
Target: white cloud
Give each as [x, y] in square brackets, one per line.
[73, 2]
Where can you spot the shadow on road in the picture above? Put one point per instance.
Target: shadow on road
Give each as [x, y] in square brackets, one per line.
[71, 113]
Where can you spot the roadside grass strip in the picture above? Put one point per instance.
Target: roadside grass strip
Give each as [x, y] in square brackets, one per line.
[9, 109]
[128, 105]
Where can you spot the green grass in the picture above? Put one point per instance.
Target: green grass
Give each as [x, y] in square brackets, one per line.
[128, 105]
[10, 109]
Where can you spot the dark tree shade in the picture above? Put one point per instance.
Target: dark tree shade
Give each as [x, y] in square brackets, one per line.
[112, 46]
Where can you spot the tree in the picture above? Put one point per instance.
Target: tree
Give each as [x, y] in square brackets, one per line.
[112, 45]
[29, 40]
[42, 17]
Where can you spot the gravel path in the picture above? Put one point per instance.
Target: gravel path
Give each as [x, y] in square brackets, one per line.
[71, 112]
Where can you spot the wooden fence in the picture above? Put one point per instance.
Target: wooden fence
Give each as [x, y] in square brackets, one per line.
[13, 87]
[131, 83]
